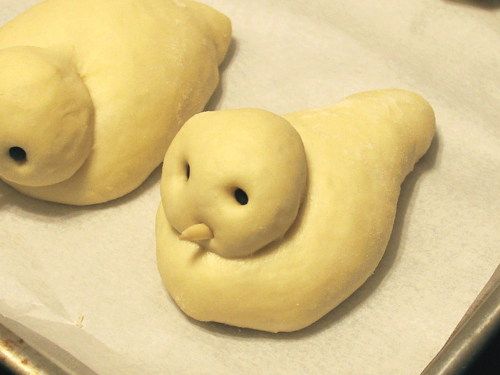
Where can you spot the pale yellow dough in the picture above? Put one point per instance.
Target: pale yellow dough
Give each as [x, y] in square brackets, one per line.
[357, 154]
[93, 91]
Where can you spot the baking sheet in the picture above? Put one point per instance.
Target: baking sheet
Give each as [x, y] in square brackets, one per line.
[86, 279]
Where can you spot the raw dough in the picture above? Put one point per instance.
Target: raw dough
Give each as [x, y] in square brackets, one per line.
[227, 151]
[358, 154]
[93, 91]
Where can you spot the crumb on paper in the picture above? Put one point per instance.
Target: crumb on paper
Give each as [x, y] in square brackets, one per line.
[79, 322]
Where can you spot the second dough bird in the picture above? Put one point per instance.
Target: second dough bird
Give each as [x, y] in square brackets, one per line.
[287, 216]
[93, 91]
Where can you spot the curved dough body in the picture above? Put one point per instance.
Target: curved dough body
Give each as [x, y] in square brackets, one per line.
[149, 65]
[358, 152]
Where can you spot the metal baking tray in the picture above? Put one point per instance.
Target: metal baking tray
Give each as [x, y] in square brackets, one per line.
[480, 322]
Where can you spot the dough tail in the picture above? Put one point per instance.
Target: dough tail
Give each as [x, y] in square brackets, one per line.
[216, 24]
[401, 122]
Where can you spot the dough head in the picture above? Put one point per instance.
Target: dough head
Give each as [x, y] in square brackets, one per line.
[234, 180]
[46, 117]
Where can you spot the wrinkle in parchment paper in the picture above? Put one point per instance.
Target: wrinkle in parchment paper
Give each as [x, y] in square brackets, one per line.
[86, 279]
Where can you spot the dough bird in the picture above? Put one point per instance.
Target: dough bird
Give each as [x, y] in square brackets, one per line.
[93, 91]
[269, 222]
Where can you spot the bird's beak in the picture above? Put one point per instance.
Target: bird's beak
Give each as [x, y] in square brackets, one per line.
[197, 232]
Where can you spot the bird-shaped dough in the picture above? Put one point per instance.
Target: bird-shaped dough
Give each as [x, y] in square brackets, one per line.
[270, 222]
[93, 91]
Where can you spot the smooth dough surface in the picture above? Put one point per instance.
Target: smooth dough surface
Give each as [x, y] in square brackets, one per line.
[226, 151]
[358, 154]
[148, 66]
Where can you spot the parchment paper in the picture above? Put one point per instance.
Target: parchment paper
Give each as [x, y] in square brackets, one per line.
[86, 278]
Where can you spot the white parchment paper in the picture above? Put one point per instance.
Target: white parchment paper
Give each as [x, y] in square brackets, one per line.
[86, 279]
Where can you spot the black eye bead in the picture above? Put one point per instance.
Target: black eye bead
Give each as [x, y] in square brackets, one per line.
[240, 196]
[188, 171]
[17, 154]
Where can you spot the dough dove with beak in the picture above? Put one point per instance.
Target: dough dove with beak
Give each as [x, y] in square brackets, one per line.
[269, 222]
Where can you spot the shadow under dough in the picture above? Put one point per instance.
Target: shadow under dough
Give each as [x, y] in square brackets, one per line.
[357, 298]
[485, 4]
[11, 197]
